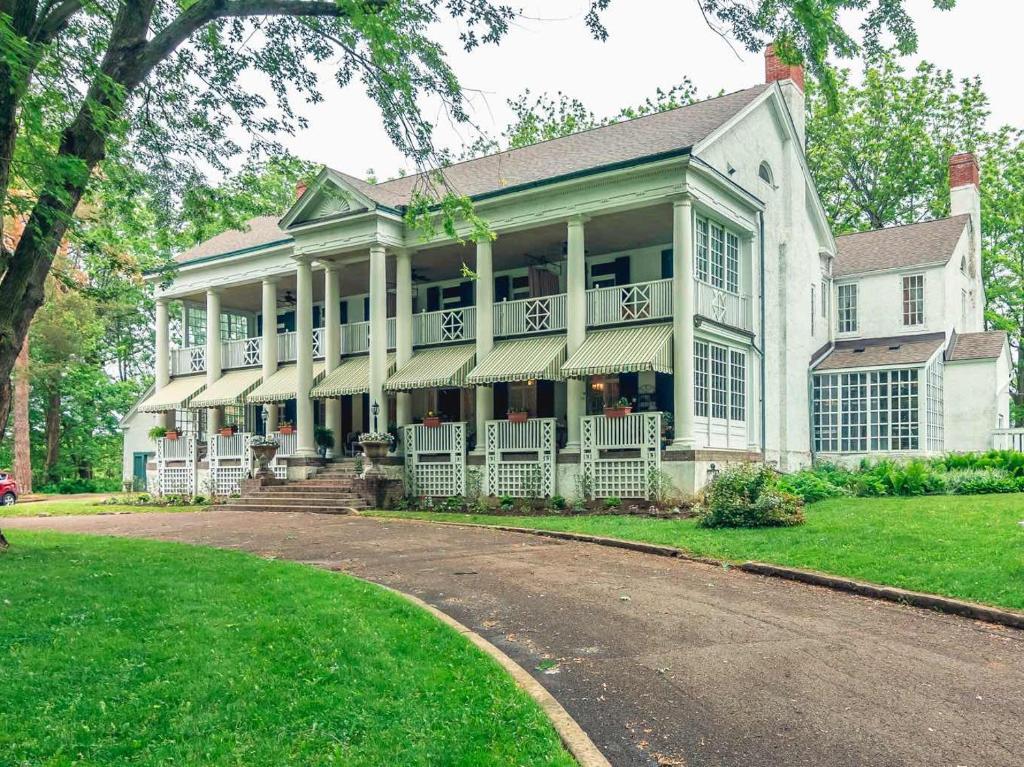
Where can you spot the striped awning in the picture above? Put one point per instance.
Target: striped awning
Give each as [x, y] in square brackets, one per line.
[443, 367]
[283, 385]
[175, 396]
[522, 359]
[229, 389]
[622, 350]
[352, 376]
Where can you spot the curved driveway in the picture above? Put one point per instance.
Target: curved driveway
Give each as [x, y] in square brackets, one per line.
[667, 662]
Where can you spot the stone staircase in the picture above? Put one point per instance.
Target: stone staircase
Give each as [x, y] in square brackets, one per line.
[330, 491]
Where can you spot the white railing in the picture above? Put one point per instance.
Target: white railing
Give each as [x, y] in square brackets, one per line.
[529, 315]
[191, 359]
[176, 449]
[444, 326]
[287, 443]
[435, 459]
[1008, 439]
[355, 337]
[621, 457]
[243, 353]
[629, 303]
[231, 447]
[392, 333]
[230, 462]
[722, 306]
[287, 346]
[176, 464]
[520, 458]
[318, 343]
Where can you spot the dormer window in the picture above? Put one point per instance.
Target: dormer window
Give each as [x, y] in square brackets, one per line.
[764, 172]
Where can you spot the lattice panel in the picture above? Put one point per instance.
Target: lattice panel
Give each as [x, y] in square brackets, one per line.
[538, 315]
[197, 359]
[227, 471]
[252, 352]
[452, 326]
[439, 471]
[636, 302]
[518, 478]
[621, 477]
[176, 466]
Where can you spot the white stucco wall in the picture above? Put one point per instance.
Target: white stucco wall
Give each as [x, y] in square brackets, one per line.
[135, 429]
[880, 303]
[977, 400]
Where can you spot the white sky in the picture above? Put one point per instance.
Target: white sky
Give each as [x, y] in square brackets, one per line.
[652, 43]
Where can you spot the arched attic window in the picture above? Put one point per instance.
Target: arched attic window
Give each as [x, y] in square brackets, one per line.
[765, 173]
[963, 264]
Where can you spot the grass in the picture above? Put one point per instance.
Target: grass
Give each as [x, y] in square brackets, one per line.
[116, 652]
[969, 547]
[59, 507]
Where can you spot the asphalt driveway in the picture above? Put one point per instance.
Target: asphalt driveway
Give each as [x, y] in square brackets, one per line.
[667, 662]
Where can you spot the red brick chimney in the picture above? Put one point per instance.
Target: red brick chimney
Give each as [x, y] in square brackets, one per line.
[300, 189]
[963, 170]
[775, 69]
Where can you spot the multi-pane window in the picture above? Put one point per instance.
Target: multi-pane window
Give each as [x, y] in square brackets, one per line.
[233, 327]
[718, 256]
[913, 299]
[719, 386]
[702, 250]
[934, 407]
[700, 378]
[196, 326]
[847, 297]
[854, 412]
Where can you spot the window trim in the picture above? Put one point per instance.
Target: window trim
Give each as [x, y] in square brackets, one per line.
[854, 308]
[717, 255]
[907, 304]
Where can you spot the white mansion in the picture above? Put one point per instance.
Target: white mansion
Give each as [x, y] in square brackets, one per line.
[681, 262]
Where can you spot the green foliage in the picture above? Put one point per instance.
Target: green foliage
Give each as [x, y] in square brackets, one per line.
[157, 432]
[1009, 461]
[559, 503]
[612, 502]
[67, 486]
[980, 481]
[323, 437]
[811, 486]
[748, 495]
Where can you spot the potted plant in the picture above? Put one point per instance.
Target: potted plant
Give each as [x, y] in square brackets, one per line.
[375, 447]
[432, 419]
[285, 427]
[324, 439]
[172, 433]
[517, 416]
[620, 409]
[228, 429]
[264, 449]
[157, 432]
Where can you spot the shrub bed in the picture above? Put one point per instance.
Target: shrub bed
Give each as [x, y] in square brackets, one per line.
[749, 495]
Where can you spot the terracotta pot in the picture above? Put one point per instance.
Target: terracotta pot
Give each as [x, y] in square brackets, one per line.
[432, 421]
[171, 435]
[286, 429]
[617, 412]
[227, 431]
[518, 416]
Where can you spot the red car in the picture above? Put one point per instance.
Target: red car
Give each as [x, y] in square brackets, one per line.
[8, 489]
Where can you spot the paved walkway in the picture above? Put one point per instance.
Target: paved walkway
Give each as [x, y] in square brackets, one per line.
[665, 662]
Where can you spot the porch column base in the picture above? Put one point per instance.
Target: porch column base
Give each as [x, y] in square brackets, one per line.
[682, 443]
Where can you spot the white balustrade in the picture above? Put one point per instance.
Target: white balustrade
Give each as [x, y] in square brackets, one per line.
[287, 346]
[621, 457]
[1008, 439]
[176, 464]
[243, 353]
[520, 458]
[318, 343]
[230, 462]
[287, 443]
[355, 337]
[722, 306]
[191, 359]
[435, 459]
[529, 315]
[629, 303]
[444, 326]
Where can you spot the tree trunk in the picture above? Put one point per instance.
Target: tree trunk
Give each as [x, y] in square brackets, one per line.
[22, 430]
[52, 435]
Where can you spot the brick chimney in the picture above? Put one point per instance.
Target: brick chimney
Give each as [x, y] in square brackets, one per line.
[300, 189]
[965, 199]
[790, 78]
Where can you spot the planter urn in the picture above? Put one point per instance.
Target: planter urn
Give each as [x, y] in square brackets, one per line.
[264, 454]
[374, 450]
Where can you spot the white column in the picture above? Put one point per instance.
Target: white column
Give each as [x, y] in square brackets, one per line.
[305, 446]
[378, 333]
[213, 368]
[682, 323]
[403, 330]
[268, 352]
[332, 347]
[576, 327]
[163, 354]
[484, 334]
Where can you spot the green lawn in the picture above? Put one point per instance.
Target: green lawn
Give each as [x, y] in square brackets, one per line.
[57, 507]
[971, 547]
[117, 652]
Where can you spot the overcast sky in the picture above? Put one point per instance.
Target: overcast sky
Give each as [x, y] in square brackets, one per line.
[652, 43]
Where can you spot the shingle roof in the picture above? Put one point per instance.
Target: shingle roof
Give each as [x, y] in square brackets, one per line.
[977, 346]
[876, 352]
[929, 242]
[675, 130]
[260, 231]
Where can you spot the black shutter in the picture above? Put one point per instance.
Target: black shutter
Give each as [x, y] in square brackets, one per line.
[545, 399]
[622, 270]
[287, 319]
[666, 264]
[500, 399]
[466, 293]
[433, 299]
[502, 288]
[366, 309]
[343, 313]
[316, 316]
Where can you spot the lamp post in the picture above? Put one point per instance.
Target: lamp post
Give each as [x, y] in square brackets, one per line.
[264, 415]
[375, 410]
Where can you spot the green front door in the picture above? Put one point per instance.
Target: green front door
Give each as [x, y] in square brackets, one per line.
[139, 469]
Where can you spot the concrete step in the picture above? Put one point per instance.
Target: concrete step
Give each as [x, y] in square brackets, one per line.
[304, 488]
[236, 506]
[305, 500]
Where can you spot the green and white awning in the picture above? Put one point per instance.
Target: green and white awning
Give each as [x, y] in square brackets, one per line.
[352, 376]
[622, 350]
[522, 359]
[177, 395]
[442, 367]
[229, 389]
[283, 385]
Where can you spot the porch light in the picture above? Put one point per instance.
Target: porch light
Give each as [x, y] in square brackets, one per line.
[712, 473]
[375, 409]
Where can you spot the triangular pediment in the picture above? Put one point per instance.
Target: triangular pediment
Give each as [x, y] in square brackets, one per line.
[329, 196]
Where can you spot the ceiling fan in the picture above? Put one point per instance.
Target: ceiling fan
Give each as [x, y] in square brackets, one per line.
[286, 299]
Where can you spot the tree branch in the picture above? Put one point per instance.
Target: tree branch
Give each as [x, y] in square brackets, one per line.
[53, 22]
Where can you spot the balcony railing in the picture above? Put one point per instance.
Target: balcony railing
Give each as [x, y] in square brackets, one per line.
[637, 302]
[243, 353]
[1008, 439]
[722, 306]
[530, 315]
[444, 326]
[191, 359]
[287, 346]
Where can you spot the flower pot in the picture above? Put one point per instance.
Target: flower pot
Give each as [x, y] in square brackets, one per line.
[374, 450]
[227, 431]
[287, 429]
[264, 454]
[518, 416]
[432, 421]
[617, 412]
[171, 435]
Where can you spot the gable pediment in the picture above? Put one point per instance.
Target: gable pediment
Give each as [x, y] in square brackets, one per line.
[329, 196]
